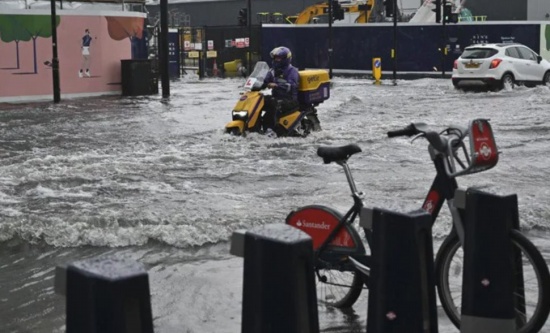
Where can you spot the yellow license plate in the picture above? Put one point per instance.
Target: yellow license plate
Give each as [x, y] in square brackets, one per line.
[471, 65]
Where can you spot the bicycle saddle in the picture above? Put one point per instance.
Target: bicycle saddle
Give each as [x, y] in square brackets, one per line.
[336, 154]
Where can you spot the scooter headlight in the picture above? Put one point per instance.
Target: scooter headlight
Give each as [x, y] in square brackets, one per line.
[240, 115]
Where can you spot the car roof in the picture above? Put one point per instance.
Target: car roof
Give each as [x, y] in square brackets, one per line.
[498, 45]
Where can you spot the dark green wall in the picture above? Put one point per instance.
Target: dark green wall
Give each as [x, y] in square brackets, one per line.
[499, 10]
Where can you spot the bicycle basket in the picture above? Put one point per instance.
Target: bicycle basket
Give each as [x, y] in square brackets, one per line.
[481, 153]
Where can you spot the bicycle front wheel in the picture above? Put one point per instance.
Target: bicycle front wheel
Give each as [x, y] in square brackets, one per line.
[532, 302]
[338, 288]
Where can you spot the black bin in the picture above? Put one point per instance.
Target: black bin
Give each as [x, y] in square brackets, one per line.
[139, 77]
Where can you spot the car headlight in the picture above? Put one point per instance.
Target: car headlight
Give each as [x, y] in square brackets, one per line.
[240, 115]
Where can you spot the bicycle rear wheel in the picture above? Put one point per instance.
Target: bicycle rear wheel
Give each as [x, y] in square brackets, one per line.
[536, 291]
[336, 288]
[338, 282]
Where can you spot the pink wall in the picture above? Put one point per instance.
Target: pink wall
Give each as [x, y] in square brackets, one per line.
[105, 56]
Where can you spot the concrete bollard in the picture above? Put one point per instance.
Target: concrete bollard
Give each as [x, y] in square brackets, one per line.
[402, 295]
[279, 293]
[489, 259]
[105, 295]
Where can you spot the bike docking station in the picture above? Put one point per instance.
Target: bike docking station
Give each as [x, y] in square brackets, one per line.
[401, 282]
[279, 292]
[105, 295]
[492, 286]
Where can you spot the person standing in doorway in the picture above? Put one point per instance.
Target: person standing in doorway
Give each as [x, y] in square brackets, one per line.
[86, 41]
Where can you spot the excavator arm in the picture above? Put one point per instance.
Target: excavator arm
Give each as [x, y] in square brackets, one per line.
[307, 15]
[377, 11]
[318, 13]
[365, 11]
[358, 11]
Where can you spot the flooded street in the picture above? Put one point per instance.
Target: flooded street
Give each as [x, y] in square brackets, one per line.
[159, 182]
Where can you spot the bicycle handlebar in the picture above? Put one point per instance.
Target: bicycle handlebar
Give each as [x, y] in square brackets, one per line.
[464, 150]
[410, 130]
[438, 140]
[446, 143]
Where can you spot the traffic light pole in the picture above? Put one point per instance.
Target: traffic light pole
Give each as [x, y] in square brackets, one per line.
[394, 51]
[444, 46]
[55, 59]
[163, 43]
[249, 23]
[330, 39]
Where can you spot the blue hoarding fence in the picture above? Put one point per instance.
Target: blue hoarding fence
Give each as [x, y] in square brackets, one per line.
[420, 46]
[173, 53]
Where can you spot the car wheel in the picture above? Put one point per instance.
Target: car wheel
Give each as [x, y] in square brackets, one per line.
[546, 79]
[507, 82]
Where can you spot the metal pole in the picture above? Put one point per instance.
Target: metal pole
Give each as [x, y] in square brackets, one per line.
[249, 22]
[55, 60]
[444, 46]
[163, 43]
[394, 51]
[330, 39]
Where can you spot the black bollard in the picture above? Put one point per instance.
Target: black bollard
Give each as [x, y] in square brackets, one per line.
[106, 295]
[202, 71]
[489, 259]
[279, 292]
[402, 281]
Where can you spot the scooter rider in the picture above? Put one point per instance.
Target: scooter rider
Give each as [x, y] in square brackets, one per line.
[282, 78]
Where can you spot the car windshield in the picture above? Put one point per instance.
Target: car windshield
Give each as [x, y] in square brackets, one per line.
[478, 53]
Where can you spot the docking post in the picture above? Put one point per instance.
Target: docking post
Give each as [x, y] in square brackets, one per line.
[402, 282]
[489, 277]
[105, 296]
[279, 292]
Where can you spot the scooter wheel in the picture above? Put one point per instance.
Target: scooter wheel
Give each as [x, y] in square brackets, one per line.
[233, 131]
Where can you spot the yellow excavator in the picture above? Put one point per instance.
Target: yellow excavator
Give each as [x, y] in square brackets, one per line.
[354, 12]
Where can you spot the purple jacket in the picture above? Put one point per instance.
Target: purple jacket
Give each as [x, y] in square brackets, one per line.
[287, 83]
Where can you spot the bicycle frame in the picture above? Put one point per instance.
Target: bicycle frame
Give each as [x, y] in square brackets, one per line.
[351, 214]
[443, 189]
[443, 151]
[339, 239]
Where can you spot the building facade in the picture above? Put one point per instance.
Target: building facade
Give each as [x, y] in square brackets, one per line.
[510, 10]
[200, 13]
[91, 45]
[538, 10]
[222, 12]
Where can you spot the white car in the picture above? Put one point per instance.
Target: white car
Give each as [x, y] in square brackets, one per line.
[500, 66]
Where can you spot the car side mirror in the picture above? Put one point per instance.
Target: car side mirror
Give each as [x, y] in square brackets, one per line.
[539, 59]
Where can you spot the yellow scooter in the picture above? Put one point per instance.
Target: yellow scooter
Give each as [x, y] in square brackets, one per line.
[313, 89]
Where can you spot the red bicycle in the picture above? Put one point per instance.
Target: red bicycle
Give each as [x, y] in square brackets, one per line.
[341, 260]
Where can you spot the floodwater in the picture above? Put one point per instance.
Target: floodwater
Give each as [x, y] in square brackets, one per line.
[158, 181]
